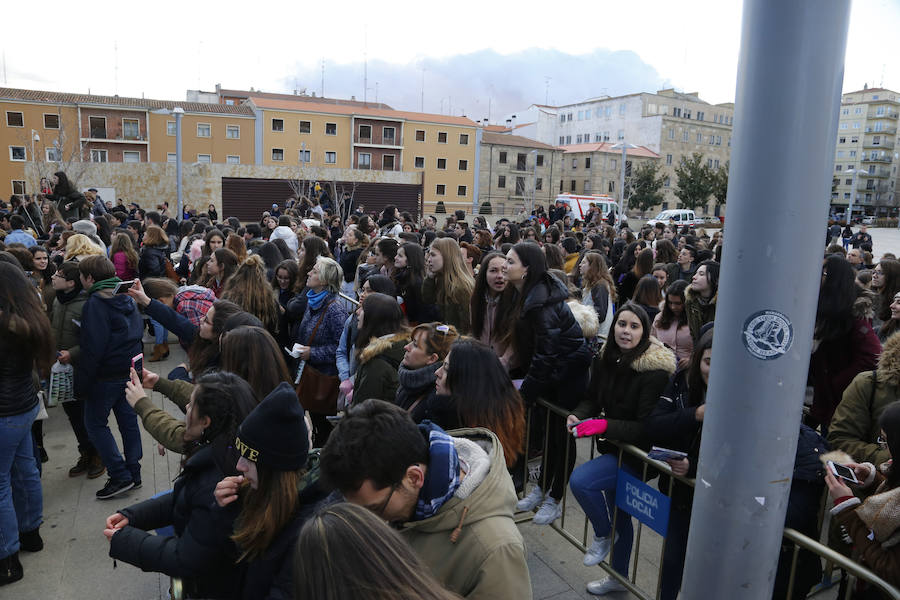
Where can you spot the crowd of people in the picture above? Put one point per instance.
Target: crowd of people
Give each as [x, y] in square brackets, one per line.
[356, 389]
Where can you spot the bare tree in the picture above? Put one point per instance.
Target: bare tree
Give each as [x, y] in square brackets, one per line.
[67, 155]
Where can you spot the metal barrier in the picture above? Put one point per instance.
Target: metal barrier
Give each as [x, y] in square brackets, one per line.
[834, 560]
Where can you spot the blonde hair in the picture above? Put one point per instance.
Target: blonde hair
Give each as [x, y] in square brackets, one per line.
[330, 273]
[81, 245]
[454, 281]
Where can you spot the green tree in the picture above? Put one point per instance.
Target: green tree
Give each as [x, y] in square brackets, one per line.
[720, 184]
[645, 185]
[695, 181]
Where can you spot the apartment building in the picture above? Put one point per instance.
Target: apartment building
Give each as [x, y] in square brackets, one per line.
[672, 124]
[866, 154]
[596, 168]
[235, 97]
[48, 131]
[515, 170]
[442, 148]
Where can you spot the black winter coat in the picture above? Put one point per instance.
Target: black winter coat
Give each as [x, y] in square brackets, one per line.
[200, 552]
[550, 340]
[153, 261]
[18, 394]
[75, 200]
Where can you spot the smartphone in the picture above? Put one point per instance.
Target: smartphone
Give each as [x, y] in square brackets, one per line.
[842, 471]
[123, 286]
[137, 363]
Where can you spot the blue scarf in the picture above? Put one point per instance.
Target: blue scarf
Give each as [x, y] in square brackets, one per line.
[315, 300]
[442, 476]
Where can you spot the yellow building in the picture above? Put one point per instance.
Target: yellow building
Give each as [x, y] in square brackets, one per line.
[442, 148]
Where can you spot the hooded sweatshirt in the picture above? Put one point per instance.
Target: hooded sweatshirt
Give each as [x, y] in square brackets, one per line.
[376, 376]
[487, 561]
[111, 330]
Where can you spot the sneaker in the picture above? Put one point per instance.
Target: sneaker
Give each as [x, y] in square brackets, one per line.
[10, 569]
[549, 511]
[605, 586]
[114, 487]
[81, 467]
[598, 551]
[30, 541]
[137, 484]
[529, 502]
[95, 467]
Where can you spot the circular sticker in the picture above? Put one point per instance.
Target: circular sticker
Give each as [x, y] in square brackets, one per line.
[768, 334]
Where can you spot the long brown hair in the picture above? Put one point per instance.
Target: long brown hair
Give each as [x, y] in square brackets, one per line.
[122, 243]
[22, 318]
[248, 288]
[454, 282]
[266, 510]
[597, 273]
[155, 236]
[253, 354]
[236, 244]
[313, 248]
[479, 302]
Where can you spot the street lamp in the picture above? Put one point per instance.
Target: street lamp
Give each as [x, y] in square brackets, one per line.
[34, 138]
[179, 113]
[625, 147]
[534, 181]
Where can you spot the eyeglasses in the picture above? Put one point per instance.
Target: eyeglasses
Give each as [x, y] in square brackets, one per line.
[380, 510]
[881, 441]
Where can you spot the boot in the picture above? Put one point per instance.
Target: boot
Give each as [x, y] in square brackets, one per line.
[30, 541]
[81, 467]
[10, 569]
[96, 468]
[160, 351]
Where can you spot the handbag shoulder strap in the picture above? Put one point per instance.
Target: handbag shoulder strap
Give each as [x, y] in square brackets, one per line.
[312, 336]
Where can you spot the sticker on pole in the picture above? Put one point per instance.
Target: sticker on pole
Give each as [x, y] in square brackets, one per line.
[768, 334]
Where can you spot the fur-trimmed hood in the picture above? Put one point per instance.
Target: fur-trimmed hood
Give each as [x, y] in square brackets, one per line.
[690, 294]
[864, 305]
[888, 370]
[655, 358]
[392, 344]
[586, 317]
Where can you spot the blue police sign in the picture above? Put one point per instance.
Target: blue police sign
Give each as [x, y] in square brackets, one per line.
[643, 502]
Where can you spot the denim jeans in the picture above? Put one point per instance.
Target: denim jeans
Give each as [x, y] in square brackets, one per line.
[106, 396]
[594, 486]
[159, 332]
[21, 499]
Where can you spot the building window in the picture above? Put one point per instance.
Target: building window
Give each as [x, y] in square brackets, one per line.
[463, 165]
[521, 161]
[330, 158]
[204, 158]
[621, 109]
[667, 182]
[540, 160]
[587, 162]
[676, 112]
[572, 185]
[578, 139]
[684, 136]
[620, 135]
[440, 189]
[53, 154]
[364, 161]
[464, 139]
[17, 153]
[365, 132]
[716, 164]
[233, 132]
[420, 135]
[305, 126]
[502, 158]
[539, 184]
[15, 119]
[170, 128]
[278, 154]
[99, 156]
[388, 135]
[131, 156]
[232, 159]
[442, 137]
[204, 130]
[569, 117]
[171, 157]
[277, 124]
[330, 128]
[842, 140]
[501, 181]
[387, 162]
[699, 138]
[568, 139]
[461, 191]
[18, 186]
[718, 140]
[668, 159]
[419, 162]
[98, 127]
[587, 186]
[229, 102]
[671, 133]
[131, 129]
[574, 163]
[843, 126]
[712, 140]
[562, 140]
[304, 156]
[442, 163]
[562, 118]
[51, 121]
[699, 115]
[709, 163]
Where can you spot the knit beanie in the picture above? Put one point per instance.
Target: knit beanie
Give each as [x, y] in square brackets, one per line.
[274, 434]
[84, 226]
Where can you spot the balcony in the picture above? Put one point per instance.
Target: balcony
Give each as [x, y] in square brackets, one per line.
[877, 159]
[880, 173]
[886, 144]
[887, 114]
[879, 188]
[882, 131]
[377, 140]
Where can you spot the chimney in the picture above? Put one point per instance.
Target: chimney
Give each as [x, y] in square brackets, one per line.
[514, 121]
[509, 123]
[353, 98]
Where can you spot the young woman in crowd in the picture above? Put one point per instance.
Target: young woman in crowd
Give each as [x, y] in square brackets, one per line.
[626, 382]
[311, 248]
[670, 326]
[247, 287]
[647, 295]
[549, 347]
[213, 240]
[319, 333]
[700, 297]
[355, 242]
[200, 551]
[347, 551]
[79, 246]
[643, 265]
[471, 257]
[346, 351]
[661, 275]
[126, 260]
[429, 345]
[483, 395]
[221, 265]
[410, 275]
[448, 283]
[385, 253]
[380, 348]
[26, 344]
[597, 289]
[491, 307]
[555, 257]
[276, 491]
[42, 271]
[154, 255]
[885, 284]
[284, 281]
[236, 244]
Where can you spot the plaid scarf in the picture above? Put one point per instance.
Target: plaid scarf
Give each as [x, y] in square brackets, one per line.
[442, 476]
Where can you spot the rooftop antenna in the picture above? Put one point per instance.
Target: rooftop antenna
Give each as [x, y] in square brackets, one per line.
[4, 66]
[365, 63]
[881, 85]
[421, 98]
[547, 79]
[322, 91]
[116, 65]
[376, 92]
[489, 108]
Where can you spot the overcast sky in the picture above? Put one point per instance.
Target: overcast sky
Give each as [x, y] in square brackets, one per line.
[476, 57]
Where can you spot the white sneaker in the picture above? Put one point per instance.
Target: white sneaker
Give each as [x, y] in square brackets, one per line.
[549, 511]
[598, 551]
[534, 497]
[605, 586]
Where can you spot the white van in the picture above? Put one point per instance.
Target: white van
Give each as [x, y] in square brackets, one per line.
[680, 216]
[578, 206]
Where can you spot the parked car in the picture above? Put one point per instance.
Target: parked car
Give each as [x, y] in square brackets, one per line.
[680, 216]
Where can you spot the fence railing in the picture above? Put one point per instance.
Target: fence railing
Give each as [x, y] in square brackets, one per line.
[833, 559]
